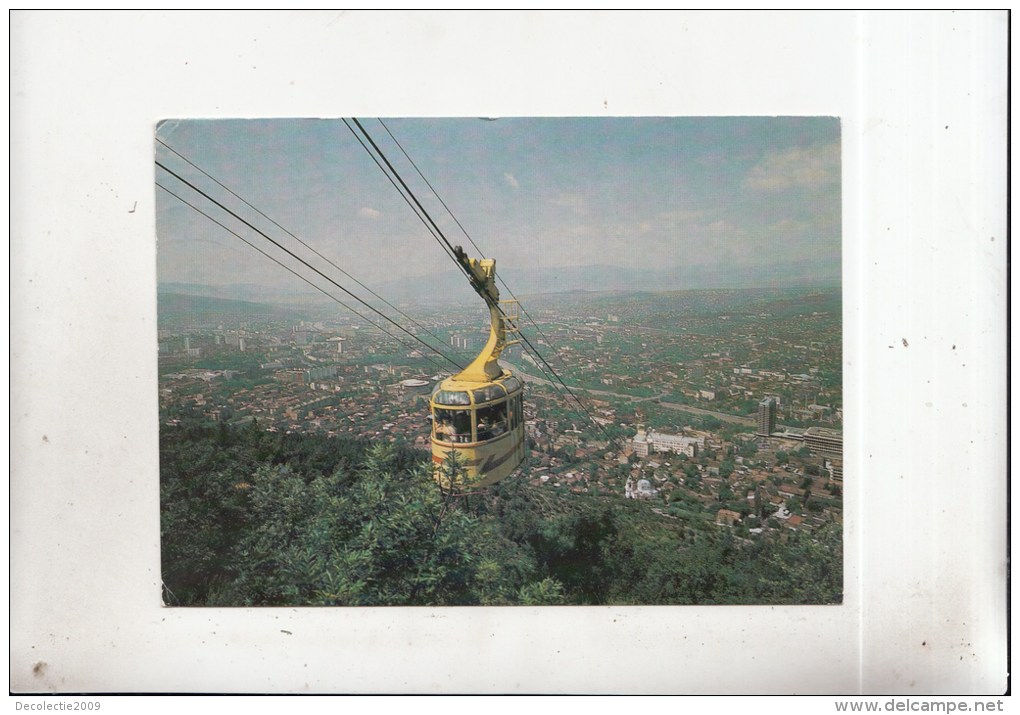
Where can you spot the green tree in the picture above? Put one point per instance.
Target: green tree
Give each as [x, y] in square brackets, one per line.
[547, 592]
[748, 449]
[574, 549]
[405, 541]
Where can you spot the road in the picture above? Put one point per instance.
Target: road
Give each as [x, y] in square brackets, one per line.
[721, 416]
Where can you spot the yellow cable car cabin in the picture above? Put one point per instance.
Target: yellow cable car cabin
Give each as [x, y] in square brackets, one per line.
[479, 412]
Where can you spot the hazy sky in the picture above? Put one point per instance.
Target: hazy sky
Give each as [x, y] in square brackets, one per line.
[751, 194]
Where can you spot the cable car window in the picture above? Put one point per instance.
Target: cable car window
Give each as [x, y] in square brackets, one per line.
[447, 397]
[491, 421]
[492, 392]
[512, 384]
[453, 425]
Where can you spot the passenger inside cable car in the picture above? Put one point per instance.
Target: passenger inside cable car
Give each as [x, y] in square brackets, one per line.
[491, 421]
[453, 425]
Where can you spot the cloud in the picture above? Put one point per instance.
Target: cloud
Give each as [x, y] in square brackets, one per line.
[367, 212]
[799, 167]
[790, 226]
[510, 180]
[680, 216]
[574, 202]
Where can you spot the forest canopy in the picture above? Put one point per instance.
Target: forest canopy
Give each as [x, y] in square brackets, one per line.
[256, 518]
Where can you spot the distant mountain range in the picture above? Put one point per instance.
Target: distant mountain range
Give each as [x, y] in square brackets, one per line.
[451, 285]
[656, 277]
[248, 292]
[173, 304]
[603, 278]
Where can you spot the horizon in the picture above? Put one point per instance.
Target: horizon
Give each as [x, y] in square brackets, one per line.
[257, 294]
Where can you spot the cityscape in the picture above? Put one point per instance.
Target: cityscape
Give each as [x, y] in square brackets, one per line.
[724, 406]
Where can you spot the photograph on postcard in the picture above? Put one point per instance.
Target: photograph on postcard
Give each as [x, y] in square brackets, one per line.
[500, 361]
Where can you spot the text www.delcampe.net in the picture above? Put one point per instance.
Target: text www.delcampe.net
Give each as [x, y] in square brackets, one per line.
[916, 706]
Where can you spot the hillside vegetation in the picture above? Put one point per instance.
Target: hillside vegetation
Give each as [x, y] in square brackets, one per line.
[253, 518]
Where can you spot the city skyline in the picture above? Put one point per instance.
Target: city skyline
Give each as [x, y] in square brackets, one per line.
[660, 203]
